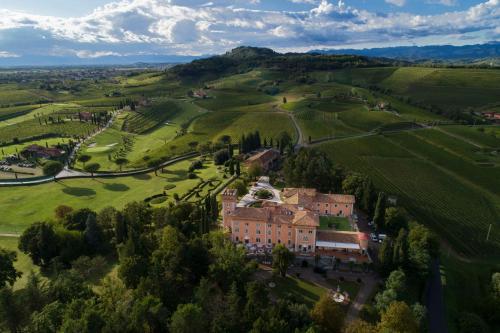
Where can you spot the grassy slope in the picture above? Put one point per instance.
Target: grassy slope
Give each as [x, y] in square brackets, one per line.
[23, 263]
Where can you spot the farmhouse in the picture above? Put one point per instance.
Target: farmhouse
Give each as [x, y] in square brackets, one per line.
[37, 151]
[295, 223]
[268, 159]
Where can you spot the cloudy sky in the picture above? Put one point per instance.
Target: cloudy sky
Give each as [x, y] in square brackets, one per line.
[95, 28]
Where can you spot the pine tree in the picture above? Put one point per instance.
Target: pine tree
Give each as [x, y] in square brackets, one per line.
[231, 167]
[214, 208]
[238, 168]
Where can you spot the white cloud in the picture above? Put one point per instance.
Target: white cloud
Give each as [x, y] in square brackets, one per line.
[172, 27]
[5, 54]
[448, 3]
[399, 3]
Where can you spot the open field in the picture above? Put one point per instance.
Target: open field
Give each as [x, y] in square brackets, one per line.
[21, 206]
[450, 193]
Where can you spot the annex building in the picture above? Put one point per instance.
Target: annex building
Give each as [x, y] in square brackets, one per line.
[295, 222]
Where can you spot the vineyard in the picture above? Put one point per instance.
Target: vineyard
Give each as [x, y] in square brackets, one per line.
[446, 196]
[147, 118]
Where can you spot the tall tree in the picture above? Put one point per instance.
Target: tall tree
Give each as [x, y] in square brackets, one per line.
[8, 273]
[282, 258]
[39, 241]
[328, 315]
[379, 215]
[398, 318]
[188, 318]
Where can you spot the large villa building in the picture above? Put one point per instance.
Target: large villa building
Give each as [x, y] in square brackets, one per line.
[295, 222]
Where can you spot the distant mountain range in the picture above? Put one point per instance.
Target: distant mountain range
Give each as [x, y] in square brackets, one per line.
[39, 61]
[480, 53]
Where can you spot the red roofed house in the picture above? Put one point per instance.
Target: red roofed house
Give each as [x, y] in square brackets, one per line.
[295, 223]
[37, 151]
[267, 159]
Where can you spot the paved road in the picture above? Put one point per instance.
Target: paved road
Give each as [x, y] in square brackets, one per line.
[435, 302]
[67, 173]
[262, 184]
[300, 137]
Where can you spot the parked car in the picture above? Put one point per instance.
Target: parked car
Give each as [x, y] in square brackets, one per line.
[381, 237]
[319, 270]
[373, 237]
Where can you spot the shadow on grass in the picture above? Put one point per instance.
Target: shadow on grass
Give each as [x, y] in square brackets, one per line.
[79, 191]
[116, 187]
[142, 177]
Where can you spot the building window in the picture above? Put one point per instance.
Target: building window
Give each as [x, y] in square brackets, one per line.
[258, 225]
[346, 206]
[236, 229]
[246, 224]
[289, 242]
[269, 232]
[269, 225]
[257, 240]
[318, 204]
[300, 231]
[305, 238]
[237, 239]
[335, 205]
[279, 241]
[310, 231]
[236, 223]
[309, 247]
[326, 205]
[290, 233]
[246, 231]
[258, 232]
[269, 241]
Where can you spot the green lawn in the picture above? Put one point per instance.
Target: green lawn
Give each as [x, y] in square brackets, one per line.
[310, 292]
[334, 223]
[351, 287]
[21, 206]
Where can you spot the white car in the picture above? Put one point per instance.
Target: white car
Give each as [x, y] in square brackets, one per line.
[381, 237]
[373, 237]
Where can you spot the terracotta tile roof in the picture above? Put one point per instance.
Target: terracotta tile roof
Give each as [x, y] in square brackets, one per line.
[337, 236]
[335, 198]
[307, 196]
[264, 156]
[251, 213]
[306, 218]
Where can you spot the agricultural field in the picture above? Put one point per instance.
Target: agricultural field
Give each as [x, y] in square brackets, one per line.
[441, 187]
[437, 86]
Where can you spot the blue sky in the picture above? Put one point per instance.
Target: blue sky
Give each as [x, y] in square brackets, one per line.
[96, 28]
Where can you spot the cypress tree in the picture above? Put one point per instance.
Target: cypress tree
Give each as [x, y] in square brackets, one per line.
[379, 215]
[238, 168]
[400, 250]
[231, 167]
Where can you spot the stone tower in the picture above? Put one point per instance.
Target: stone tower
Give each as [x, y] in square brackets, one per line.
[229, 200]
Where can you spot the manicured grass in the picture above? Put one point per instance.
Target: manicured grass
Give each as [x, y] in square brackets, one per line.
[458, 199]
[306, 290]
[351, 287]
[334, 223]
[23, 205]
[23, 263]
